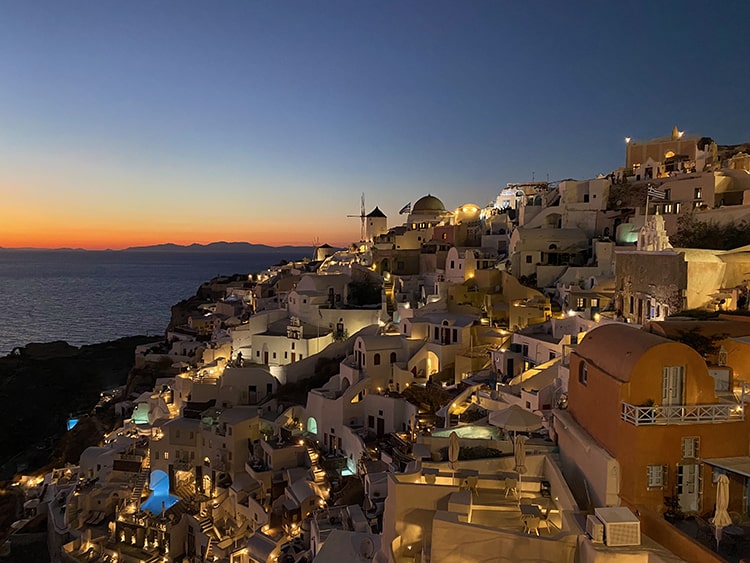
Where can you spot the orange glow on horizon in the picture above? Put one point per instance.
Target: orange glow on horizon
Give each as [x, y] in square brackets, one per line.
[118, 243]
[52, 221]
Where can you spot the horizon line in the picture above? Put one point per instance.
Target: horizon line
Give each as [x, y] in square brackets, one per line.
[161, 244]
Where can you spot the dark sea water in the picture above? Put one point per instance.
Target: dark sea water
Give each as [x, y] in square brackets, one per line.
[88, 297]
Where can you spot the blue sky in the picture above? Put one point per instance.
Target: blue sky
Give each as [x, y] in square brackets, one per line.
[183, 121]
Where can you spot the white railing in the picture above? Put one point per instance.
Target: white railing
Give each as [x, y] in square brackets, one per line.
[682, 414]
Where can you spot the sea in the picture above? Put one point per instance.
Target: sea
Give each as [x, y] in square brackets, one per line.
[86, 297]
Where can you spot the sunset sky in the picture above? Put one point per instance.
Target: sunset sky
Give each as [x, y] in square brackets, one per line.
[132, 123]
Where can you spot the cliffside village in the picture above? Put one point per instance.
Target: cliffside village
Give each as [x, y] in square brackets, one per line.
[520, 381]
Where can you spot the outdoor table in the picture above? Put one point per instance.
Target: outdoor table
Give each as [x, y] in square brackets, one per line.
[530, 510]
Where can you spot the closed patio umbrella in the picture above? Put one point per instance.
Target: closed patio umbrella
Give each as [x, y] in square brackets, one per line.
[519, 453]
[454, 449]
[721, 516]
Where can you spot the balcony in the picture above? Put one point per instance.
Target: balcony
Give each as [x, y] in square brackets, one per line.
[657, 415]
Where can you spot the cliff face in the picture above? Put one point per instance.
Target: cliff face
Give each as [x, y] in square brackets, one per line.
[42, 384]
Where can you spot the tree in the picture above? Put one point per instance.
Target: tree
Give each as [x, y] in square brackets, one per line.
[693, 233]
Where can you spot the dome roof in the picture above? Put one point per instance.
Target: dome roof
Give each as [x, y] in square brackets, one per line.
[428, 204]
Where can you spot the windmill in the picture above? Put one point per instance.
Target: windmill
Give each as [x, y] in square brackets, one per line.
[361, 217]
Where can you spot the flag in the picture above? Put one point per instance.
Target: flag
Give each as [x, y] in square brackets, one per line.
[653, 193]
[405, 209]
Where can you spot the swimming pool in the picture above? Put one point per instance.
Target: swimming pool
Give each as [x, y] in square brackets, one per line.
[471, 431]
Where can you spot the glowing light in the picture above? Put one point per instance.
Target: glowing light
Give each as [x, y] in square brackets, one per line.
[680, 134]
[627, 140]
[571, 313]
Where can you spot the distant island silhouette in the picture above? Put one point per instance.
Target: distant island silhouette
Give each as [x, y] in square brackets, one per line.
[215, 247]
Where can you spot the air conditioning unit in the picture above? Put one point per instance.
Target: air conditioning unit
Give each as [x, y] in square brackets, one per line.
[595, 529]
[621, 526]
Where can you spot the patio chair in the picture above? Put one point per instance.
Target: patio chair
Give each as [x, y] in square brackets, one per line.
[531, 525]
[704, 531]
[546, 522]
[472, 483]
[511, 486]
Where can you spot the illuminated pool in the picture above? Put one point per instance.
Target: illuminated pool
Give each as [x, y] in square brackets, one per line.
[471, 432]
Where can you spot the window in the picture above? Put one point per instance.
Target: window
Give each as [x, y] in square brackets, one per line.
[229, 430]
[286, 355]
[376, 360]
[594, 301]
[455, 335]
[690, 447]
[393, 357]
[698, 193]
[673, 380]
[657, 476]
[528, 259]
[668, 193]
[453, 264]
[583, 373]
[274, 355]
[166, 455]
[580, 302]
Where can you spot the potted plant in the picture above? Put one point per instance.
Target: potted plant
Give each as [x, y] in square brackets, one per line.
[673, 511]
[648, 415]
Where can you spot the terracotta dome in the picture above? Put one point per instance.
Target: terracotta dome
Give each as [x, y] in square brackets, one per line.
[427, 205]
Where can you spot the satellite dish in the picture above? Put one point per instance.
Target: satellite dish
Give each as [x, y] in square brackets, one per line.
[367, 549]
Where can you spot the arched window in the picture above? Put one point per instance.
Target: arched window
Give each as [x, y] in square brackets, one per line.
[312, 425]
[583, 373]
[393, 357]
[376, 359]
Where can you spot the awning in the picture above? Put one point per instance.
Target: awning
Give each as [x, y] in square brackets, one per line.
[739, 465]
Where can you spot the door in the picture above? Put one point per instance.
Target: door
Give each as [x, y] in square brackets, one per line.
[381, 427]
[265, 358]
[688, 486]
[673, 382]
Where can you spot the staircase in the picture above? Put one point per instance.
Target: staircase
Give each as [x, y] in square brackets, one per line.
[206, 524]
[319, 474]
[390, 298]
[140, 485]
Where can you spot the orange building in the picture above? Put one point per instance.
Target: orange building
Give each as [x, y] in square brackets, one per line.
[651, 404]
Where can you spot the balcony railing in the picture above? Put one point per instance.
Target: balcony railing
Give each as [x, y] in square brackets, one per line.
[682, 414]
